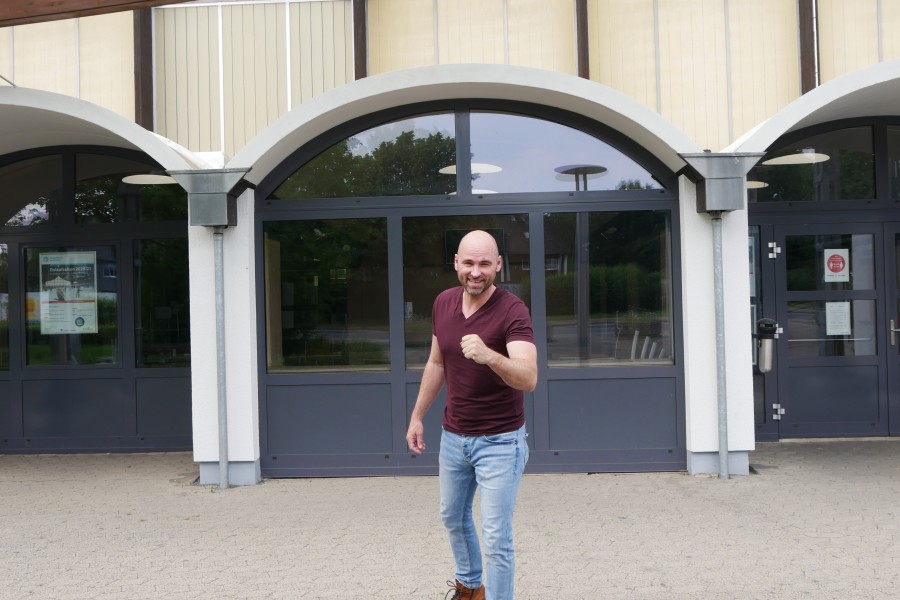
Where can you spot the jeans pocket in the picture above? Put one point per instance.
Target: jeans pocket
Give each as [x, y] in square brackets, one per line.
[502, 439]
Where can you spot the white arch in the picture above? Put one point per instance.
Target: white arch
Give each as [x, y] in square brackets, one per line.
[35, 119]
[326, 111]
[867, 92]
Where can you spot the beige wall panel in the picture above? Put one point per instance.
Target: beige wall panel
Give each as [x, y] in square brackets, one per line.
[848, 36]
[187, 76]
[464, 39]
[401, 34]
[321, 47]
[765, 63]
[45, 56]
[890, 24]
[621, 47]
[106, 57]
[6, 56]
[542, 34]
[693, 82]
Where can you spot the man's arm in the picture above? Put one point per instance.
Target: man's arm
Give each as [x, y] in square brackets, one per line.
[432, 381]
[518, 371]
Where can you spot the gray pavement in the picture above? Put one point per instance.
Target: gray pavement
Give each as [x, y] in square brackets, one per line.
[817, 520]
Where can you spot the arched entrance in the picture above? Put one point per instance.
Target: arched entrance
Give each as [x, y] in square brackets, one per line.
[356, 233]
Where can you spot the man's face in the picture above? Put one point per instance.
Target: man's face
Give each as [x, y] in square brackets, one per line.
[477, 267]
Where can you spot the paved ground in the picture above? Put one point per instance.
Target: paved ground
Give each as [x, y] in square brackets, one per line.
[818, 520]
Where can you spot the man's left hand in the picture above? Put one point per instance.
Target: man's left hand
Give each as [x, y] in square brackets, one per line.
[475, 349]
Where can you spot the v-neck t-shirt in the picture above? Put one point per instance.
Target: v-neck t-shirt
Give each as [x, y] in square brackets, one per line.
[479, 402]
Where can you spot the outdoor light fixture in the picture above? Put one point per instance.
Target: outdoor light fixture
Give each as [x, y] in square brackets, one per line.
[755, 185]
[806, 156]
[148, 179]
[477, 169]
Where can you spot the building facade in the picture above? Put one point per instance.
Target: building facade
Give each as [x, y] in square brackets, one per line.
[633, 159]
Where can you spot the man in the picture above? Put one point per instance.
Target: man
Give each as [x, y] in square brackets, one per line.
[482, 347]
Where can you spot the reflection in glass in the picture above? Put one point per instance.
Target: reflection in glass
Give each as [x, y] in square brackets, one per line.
[4, 308]
[30, 187]
[162, 314]
[844, 328]
[848, 173]
[99, 348]
[830, 262]
[608, 295]
[326, 295]
[429, 245]
[102, 197]
[565, 159]
[402, 158]
[893, 142]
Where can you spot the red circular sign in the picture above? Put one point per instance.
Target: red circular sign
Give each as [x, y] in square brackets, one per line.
[836, 263]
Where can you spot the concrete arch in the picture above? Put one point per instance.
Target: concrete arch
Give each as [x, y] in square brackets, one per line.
[35, 119]
[867, 92]
[499, 82]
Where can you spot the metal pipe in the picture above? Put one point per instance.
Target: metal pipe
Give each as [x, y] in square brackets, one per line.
[220, 355]
[720, 343]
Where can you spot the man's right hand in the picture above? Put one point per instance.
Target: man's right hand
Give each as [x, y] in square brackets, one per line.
[415, 437]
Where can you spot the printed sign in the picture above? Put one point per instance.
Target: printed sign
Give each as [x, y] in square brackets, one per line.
[837, 318]
[837, 266]
[68, 292]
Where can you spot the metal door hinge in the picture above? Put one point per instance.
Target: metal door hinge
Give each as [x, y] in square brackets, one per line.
[776, 416]
[774, 250]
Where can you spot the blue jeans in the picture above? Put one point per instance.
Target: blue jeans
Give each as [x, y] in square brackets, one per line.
[493, 463]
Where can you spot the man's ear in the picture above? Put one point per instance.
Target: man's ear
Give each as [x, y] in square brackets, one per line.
[499, 263]
[456, 262]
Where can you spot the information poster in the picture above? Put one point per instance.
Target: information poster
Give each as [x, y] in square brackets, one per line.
[837, 266]
[837, 318]
[68, 292]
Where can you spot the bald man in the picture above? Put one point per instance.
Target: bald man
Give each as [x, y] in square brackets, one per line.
[482, 348]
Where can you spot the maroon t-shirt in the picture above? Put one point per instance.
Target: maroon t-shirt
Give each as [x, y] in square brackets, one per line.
[478, 400]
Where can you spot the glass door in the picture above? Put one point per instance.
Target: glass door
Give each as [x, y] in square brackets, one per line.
[892, 316]
[832, 378]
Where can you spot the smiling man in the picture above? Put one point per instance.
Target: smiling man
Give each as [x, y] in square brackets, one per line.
[482, 348]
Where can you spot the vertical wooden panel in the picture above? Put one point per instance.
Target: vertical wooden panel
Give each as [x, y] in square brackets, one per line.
[321, 47]
[542, 34]
[848, 36]
[765, 70]
[192, 73]
[106, 55]
[401, 34]
[622, 47]
[6, 65]
[890, 24]
[693, 80]
[470, 31]
[45, 56]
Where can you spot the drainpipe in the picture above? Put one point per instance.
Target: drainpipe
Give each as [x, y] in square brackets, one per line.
[720, 181]
[212, 203]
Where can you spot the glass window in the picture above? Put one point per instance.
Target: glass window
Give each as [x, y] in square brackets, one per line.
[101, 195]
[429, 245]
[830, 262]
[607, 282]
[844, 328]
[4, 308]
[326, 295]
[837, 165]
[30, 187]
[402, 158]
[162, 308]
[71, 306]
[893, 139]
[506, 158]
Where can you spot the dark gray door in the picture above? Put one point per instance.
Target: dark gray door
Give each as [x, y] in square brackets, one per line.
[892, 315]
[832, 370]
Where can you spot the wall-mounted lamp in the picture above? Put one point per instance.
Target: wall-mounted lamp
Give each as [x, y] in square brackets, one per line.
[805, 156]
[148, 179]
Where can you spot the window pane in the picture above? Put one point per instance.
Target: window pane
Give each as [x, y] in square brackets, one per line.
[71, 290]
[830, 262]
[327, 295]
[838, 165]
[29, 188]
[429, 245]
[505, 158]
[402, 158]
[4, 308]
[845, 328]
[162, 311]
[101, 195]
[893, 137]
[607, 282]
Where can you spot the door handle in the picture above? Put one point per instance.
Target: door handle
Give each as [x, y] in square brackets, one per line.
[894, 332]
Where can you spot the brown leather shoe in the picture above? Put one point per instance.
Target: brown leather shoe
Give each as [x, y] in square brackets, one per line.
[461, 592]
